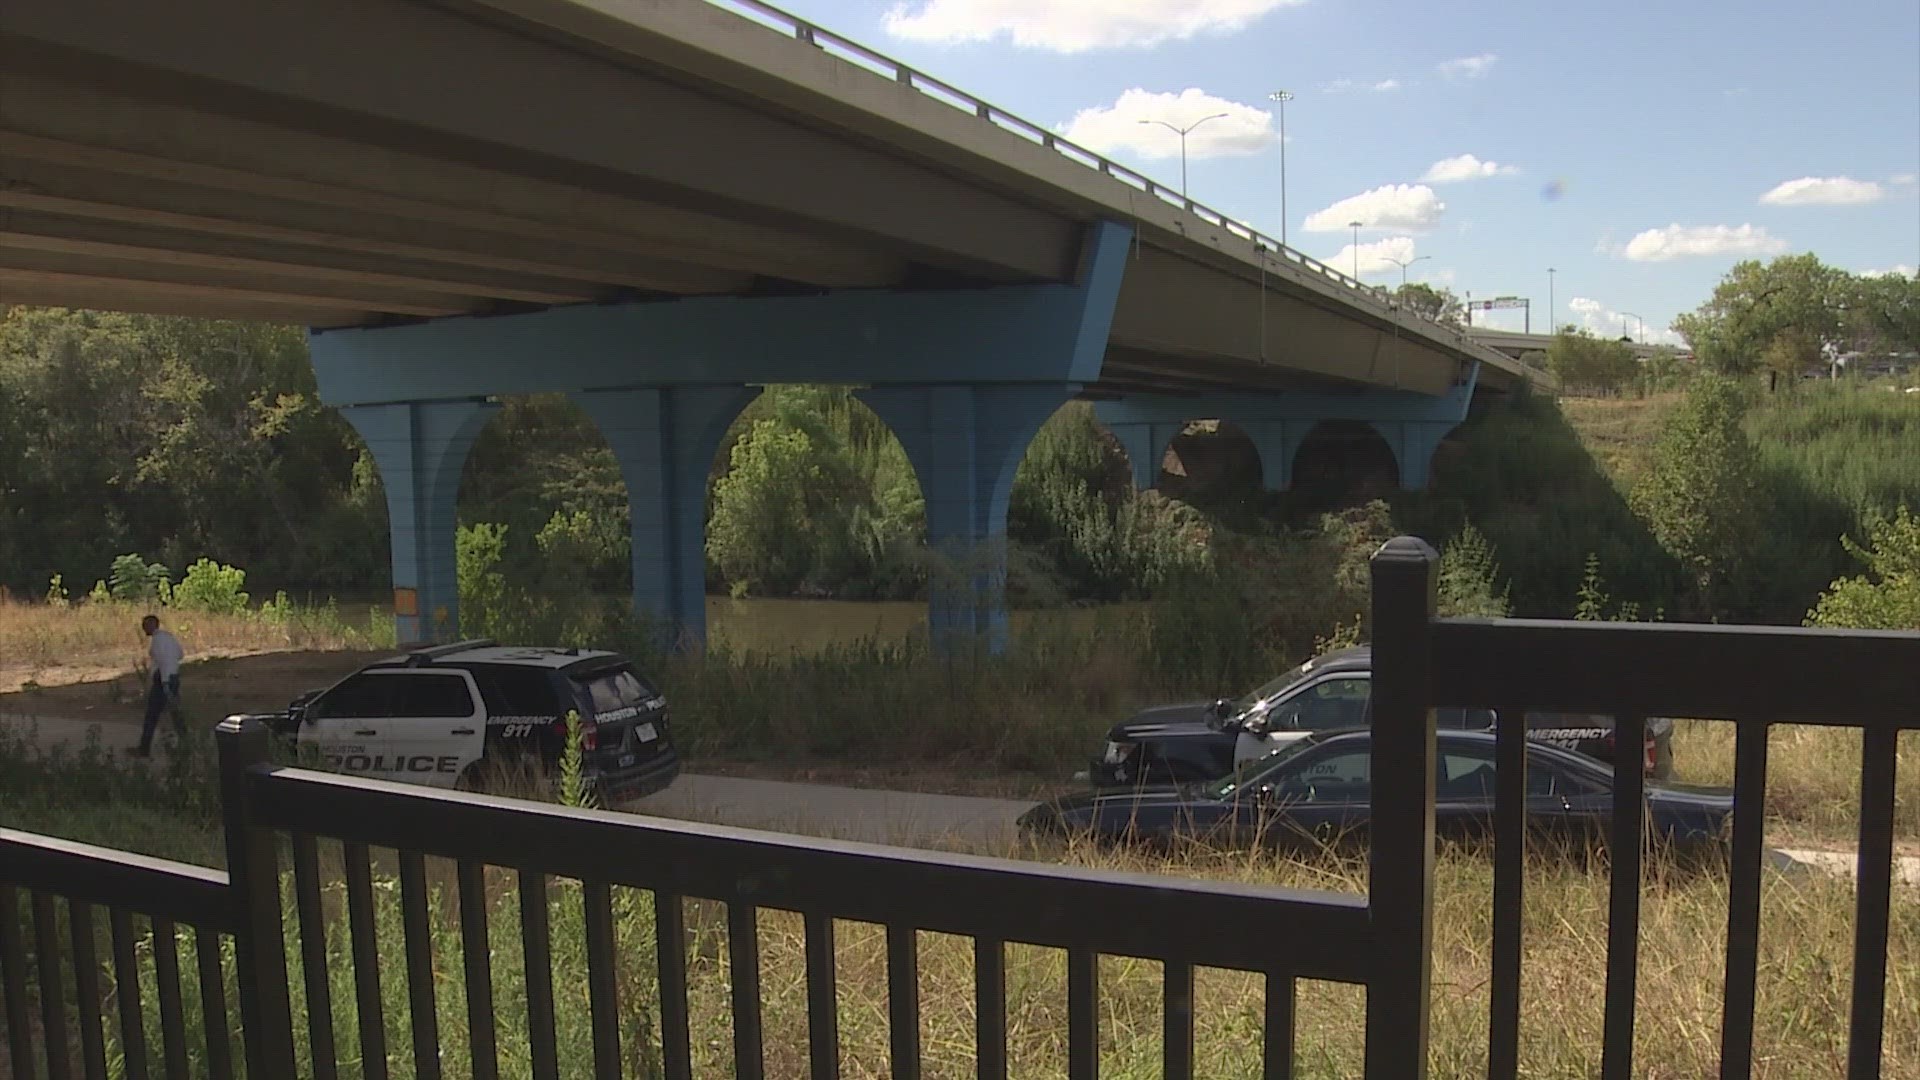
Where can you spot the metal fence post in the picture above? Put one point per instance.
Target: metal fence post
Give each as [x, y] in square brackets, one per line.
[1400, 880]
[253, 874]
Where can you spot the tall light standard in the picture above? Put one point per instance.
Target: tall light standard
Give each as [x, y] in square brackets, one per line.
[1553, 327]
[1403, 266]
[1355, 226]
[1282, 96]
[1182, 132]
[1643, 324]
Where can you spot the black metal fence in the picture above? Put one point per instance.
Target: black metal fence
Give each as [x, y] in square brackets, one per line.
[1754, 676]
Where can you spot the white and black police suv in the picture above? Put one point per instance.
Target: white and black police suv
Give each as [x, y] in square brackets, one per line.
[465, 714]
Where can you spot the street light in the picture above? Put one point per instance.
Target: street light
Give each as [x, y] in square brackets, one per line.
[1552, 326]
[1282, 96]
[1403, 266]
[1636, 318]
[1355, 226]
[1182, 132]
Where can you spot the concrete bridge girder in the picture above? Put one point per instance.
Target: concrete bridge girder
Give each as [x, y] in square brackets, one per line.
[1412, 425]
[964, 378]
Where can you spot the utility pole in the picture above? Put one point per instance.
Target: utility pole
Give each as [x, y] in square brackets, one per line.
[1182, 132]
[1552, 326]
[1282, 96]
[1355, 226]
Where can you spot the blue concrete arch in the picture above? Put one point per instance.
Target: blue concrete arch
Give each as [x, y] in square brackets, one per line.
[665, 439]
[420, 448]
[1412, 424]
[964, 377]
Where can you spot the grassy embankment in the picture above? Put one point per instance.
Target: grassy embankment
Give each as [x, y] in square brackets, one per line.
[1805, 959]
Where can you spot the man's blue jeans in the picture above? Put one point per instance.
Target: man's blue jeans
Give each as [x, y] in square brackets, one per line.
[163, 695]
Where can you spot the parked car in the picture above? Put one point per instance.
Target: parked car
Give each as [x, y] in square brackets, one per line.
[1319, 786]
[1206, 740]
[465, 714]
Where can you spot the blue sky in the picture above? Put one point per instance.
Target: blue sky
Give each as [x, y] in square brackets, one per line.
[1663, 127]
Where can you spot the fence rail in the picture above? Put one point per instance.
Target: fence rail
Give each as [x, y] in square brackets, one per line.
[1755, 677]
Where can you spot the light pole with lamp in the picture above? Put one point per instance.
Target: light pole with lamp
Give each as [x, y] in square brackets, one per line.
[1553, 326]
[1403, 266]
[1355, 226]
[1643, 324]
[1182, 132]
[1282, 96]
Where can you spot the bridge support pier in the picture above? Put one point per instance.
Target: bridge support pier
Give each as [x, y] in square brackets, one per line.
[965, 442]
[1412, 425]
[665, 439]
[420, 447]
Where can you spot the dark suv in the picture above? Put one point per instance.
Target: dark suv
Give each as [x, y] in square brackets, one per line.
[463, 714]
[1205, 740]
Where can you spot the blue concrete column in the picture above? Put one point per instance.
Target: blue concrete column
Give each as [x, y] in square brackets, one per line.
[1413, 444]
[1146, 446]
[1278, 442]
[420, 447]
[965, 443]
[665, 439]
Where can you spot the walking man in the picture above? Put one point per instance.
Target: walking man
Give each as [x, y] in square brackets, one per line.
[163, 688]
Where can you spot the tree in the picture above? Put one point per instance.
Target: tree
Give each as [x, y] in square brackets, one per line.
[1438, 304]
[1577, 358]
[1884, 312]
[1701, 497]
[1755, 304]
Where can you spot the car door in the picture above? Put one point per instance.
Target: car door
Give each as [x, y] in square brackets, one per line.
[1324, 794]
[437, 727]
[1329, 704]
[346, 726]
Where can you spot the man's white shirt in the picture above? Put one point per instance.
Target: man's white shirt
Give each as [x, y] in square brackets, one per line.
[164, 654]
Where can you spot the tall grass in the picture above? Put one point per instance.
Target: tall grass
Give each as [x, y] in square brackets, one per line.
[88, 634]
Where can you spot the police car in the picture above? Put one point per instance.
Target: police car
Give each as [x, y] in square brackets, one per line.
[464, 715]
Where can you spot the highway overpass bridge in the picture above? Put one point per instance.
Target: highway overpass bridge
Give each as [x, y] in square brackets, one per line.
[656, 208]
[1519, 346]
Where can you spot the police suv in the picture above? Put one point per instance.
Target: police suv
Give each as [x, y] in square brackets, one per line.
[465, 714]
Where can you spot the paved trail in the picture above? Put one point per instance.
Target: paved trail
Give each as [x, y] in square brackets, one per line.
[876, 816]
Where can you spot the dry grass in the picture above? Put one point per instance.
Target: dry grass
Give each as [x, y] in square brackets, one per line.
[1813, 779]
[1620, 432]
[50, 645]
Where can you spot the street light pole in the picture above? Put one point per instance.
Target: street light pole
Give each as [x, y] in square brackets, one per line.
[1637, 319]
[1403, 266]
[1355, 225]
[1282, 96]
[1552, 326]
[1182, 132]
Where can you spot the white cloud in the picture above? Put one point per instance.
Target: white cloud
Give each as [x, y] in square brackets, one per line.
[1824, 191]
[1464, 167]
[1680, 241]
[1897, 270]
[1375, 258]
[1395, 206]
[1602, 321]
[1072, 25]
[1904, 180]
[1342, 86]
[1105, 129]
[1467, 67]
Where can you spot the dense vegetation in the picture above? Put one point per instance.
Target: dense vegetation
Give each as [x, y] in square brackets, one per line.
[176, 440]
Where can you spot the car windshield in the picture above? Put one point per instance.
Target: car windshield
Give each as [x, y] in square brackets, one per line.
[1256, 770]
[1273, 688]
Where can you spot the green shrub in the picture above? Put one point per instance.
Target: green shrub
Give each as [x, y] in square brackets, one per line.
[479, 551]
[210, 587]
[133, 580]
[1888, 596]
[1470, 577]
